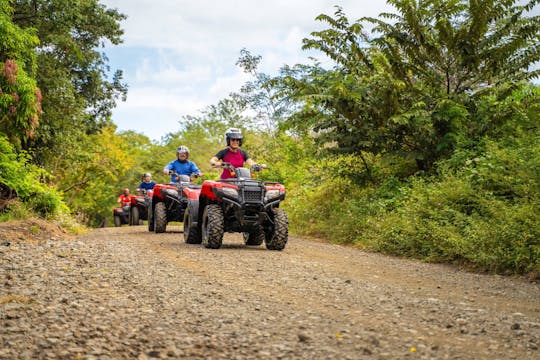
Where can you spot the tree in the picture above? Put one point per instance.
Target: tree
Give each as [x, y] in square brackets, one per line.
[73, 74]
[412, 89]
[261, 94]
[89, 171]
[457, 47]
[347, 107]
[20, 99]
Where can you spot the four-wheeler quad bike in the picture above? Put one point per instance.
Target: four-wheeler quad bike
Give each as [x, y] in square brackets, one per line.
[240, 204]
[169, 202]
[139, 207]
[122, 214]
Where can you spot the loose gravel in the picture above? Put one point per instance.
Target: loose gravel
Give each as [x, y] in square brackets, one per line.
[126, 293]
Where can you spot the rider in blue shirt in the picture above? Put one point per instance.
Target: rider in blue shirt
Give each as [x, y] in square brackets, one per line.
[146, 184]
[182, 166]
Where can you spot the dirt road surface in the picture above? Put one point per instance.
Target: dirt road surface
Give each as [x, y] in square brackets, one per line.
[126, 293]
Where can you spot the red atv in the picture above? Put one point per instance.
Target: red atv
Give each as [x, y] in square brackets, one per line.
[169, 202]
[240, 204]
[139, 207]
[122, 215]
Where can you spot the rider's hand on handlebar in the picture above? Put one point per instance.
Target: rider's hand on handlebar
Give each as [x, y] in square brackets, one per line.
[259, 167]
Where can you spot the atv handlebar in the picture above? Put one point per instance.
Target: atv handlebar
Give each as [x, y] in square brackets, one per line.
[228, 165]
[191, 177]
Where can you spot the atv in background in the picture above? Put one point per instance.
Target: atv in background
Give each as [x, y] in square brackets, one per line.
[240, 204]
[139, 207]
[169, 201]
[122, 215]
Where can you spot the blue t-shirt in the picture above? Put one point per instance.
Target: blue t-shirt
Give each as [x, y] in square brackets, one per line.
[147, 185]
[182, 168]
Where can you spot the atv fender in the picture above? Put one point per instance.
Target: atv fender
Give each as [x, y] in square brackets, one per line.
[193, 206]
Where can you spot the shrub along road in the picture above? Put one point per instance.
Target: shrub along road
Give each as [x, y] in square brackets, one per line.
[127, 293]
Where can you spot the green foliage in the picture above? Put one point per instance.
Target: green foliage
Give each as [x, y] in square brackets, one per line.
[455, 221]
[17, 173]
[452, 47]
[20, 99]
[412, 89]
[480, 209]
[17, 43]
[20, 103]
[89, 172]
[78, 90]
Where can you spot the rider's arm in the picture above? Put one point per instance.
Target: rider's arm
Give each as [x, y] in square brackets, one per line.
[215, 161]
[195, 169]
[168, 168]
[250, 162]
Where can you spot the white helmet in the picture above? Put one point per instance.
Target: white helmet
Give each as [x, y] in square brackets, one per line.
[182, 149]
[233, 133]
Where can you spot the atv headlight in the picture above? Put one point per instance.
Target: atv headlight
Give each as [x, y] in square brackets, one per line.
[271, 194]
[230, 192]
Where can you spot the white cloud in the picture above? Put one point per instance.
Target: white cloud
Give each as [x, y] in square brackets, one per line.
[179, 56]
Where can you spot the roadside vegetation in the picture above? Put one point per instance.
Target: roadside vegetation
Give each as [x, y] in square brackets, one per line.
[422, 140]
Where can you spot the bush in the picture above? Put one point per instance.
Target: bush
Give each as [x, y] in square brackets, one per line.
[480, 210]
[18, 174]
[456, 221]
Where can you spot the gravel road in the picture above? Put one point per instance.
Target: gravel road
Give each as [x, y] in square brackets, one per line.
[126, 293]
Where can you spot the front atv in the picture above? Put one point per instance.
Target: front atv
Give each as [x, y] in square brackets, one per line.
[240, 204]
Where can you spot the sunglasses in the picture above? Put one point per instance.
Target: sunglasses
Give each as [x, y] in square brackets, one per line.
[235, 140]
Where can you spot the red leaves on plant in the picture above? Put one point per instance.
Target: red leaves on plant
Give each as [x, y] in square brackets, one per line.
[39, 97]
[10, 71]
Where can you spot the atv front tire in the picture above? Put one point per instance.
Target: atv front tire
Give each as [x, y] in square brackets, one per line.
[150, 219]
[191, 231]
[134, 216]
[160, 218]
[212, 227]
[278, 238]
[117, 221]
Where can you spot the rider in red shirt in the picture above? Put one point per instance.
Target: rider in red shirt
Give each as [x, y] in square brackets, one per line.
[232, 153]
[125, 198]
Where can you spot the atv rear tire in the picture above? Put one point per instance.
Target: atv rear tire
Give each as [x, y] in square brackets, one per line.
[117, 221]
[191, 231]
[278, 238]
[150, 219]
[134, 216]
[212, 227]
[254, 238]
[160, 217]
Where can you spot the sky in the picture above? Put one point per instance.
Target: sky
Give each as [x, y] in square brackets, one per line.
[179, 56]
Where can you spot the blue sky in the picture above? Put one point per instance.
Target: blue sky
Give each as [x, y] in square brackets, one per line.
[178, 56]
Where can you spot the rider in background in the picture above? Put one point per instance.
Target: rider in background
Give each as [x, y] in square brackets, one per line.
[125, 198]
[146, 184]
[232, 153]
[181, 166]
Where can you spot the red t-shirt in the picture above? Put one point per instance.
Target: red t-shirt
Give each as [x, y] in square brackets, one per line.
[125, 199]
[236, 158]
